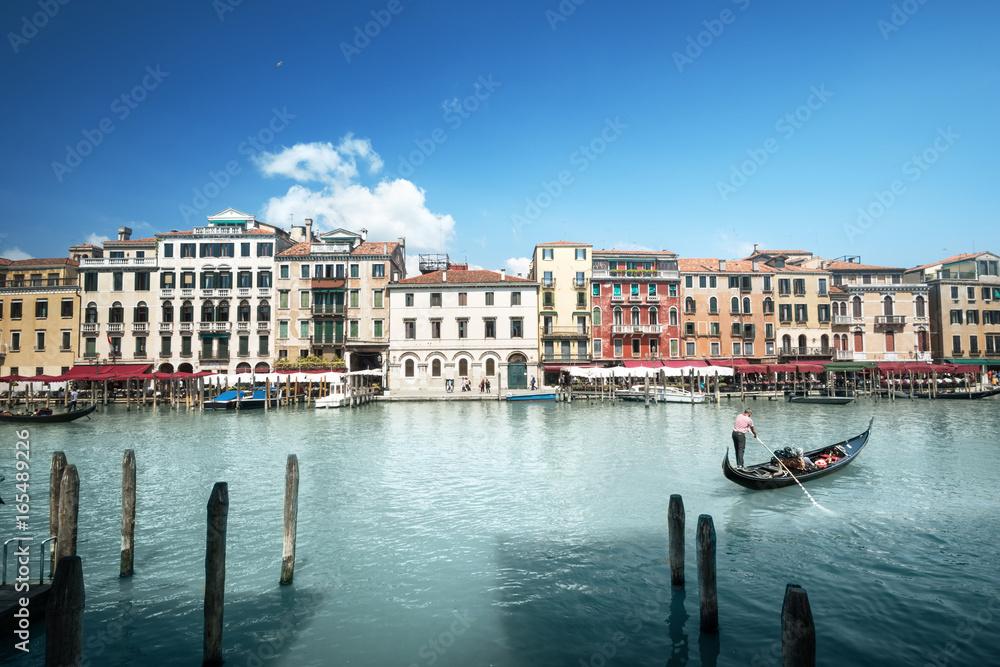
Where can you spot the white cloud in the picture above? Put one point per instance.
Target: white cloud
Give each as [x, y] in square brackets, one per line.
[629, 245]
[729, 246]
[14, 254]
[388, 210]
[96, 239]
[517, 266]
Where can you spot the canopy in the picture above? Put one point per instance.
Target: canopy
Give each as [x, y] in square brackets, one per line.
[974, 362]
[841, 366]
[31, 378]
[110, 372]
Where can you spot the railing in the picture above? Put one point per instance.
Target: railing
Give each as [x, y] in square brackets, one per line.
[843, 355]
[618, 273]
[224, 293]
[243, 291]
[636, 329]
[328, 309]
[187, 292]
[843, 319]
[573, 331]
[214, 327]
[167, 293]
[806, 351]
[653, 298]
[140, 327]
[116, 327]
[328, 340]
[557, 357]
[264, 292]
[890, 319]
[118, 261]
[207, 292]
[243, 326]
[634, 298]
[90, 328]
[217, 356]
[617, 298]
[579, 282]
[263, 326]
[548, 282]
[36, 284]
[90, 355]
[948, 274]
[166, 327]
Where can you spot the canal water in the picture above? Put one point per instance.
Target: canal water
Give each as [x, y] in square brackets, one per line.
[531, 534]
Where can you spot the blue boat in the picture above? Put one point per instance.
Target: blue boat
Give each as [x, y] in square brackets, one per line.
[542, 395]
[245, 399]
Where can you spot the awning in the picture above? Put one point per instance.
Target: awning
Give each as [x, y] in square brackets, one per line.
[974, 362]
[106, 372]
[31, 378]
[842, 366]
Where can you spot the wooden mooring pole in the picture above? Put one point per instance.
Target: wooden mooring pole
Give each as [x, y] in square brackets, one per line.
[675, 536]
[706, 574]
[798, 635]
[291, 518]
[69, 510]
[56, 470]
[128, 513]
[64, 615]
[215, 572]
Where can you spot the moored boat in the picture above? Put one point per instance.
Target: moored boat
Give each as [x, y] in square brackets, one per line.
[50, 418]
[771, 475]
[819, 400]
[955, 395]
[337, 398]
[660, 395]
[539, 395]
[243, 399]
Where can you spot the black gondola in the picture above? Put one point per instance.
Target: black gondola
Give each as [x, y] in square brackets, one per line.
[956, 395]
[772, 476]
[47, 419]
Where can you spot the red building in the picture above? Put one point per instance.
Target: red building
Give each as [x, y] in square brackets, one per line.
[636, 305]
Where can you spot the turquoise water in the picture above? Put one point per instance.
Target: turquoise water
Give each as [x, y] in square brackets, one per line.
[532, 534]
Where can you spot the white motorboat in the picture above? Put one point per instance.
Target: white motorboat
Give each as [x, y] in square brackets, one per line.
[660, 395]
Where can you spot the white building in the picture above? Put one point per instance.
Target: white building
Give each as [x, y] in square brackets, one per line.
[454, 324]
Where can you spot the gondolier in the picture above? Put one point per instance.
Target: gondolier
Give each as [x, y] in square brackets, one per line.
[743, 422]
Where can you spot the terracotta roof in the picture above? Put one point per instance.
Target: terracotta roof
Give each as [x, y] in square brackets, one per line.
[4, 261]
[149, 240]
[86, 245]
[837, 265]
[562, 243]
[189, 232]
[949, 260]
[52, 261]
[762, 251]
[375, 248]
[836, 289]
[690, 265]
[303, 248]
[460, 278]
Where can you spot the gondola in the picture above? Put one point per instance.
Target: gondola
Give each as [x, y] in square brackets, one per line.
[46, 419]
[955, 395]
[773, 476]
[819, 400]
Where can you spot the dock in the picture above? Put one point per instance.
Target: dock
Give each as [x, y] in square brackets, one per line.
[38, 597]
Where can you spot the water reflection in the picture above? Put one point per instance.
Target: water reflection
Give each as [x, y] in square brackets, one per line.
[677, 621]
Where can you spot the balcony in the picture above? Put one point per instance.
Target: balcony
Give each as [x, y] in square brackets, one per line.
[214, 327]
[634, 298]
[118, 261]
[843, 355]
[167, 293]
[579, 282]
[213, 357]
[166, 327]
[886, 320]
[556, 357]
[617, 298]
[800, 352]
[573, 331]
[186, 327]
[224, 293]
[140, 327]
[207, 292]
[90, 328]
[328, 340]
[643, 329]
[548, 282]
[116, 327]
[187, 292]
[243, 292]
[243, 327]
[841, 320]
[264, 292]
[328, 309]
[263, 326]
[652, 298]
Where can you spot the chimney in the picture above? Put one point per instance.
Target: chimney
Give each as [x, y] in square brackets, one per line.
[385, 248]
[124, 233]
[503, 275]
[722, 265]
[444, 276]
[364, 234]
[402, 242]
[755, 248]
[309, 230]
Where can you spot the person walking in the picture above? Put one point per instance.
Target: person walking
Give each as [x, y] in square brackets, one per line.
[487, 385]
[532, 383]
[73, 396]
[482, 386]
[743, 422]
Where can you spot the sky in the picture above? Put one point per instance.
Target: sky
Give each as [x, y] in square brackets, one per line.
[702, 127]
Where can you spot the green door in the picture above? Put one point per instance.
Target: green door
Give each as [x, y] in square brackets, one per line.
[517, 375]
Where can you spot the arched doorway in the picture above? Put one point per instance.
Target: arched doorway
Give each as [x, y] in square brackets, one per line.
[185, 368]
[242, 367]
[262, 367]
[166, 368]
[517, 372]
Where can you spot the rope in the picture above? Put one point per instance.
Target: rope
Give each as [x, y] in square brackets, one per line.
[793, 476]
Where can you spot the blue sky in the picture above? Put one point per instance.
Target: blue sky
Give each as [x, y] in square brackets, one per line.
[480, 129]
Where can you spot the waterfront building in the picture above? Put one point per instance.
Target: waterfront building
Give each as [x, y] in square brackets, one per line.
[728, 309]
[333, 297]
[39, 316]
[562, 270]
[452, 323]
[216, 307]
[963, 293]
[636, 305]
[117, 283]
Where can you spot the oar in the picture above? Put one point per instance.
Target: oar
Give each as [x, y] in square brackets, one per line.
[790, 473]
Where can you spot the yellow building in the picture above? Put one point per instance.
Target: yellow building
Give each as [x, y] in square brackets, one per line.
[563, 269]
[39, 316]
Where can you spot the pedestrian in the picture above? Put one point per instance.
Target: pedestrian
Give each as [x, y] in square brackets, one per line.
[482, 386]
[73, 396]
[487, 385]
[743, 422]
[532, 383]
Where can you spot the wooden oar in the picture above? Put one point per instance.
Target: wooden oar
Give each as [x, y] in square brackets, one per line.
[790, 473]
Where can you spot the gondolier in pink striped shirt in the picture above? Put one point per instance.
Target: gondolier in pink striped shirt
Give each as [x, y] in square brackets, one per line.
[743, 422]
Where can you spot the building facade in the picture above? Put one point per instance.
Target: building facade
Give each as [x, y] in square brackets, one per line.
[39, 316]
[455, 324]
[636, 305]
[562, 270]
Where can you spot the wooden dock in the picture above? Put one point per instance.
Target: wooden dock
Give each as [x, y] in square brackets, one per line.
[9, 603]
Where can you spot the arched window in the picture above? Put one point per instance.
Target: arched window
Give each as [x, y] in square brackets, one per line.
[408, 366]
[491, 367]
[207, 312]
[243, 312]
[689, 306]
[168, 311]
[262, 367]
[436, 368]
[635, 316]
[922, 341]
[141, 313]
[887, 305]
[117, 313]
[597, 317]
[786, 342]
[91, 313]
[769, 306]
[803, 342]
[734, 305]
[713, 306]
[463, 367]
[222, 314]
[618, 316]
[673, 317]
[921, 307]
[856, 302]
[859, 341]
[654, 317]
[264, 312]
[746, 305]
[187, 312]
[824, 342]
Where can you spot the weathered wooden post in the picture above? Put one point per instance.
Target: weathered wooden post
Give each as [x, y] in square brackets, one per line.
[717, 385]
[798, 635]
[215, 572]
[706, 574]
[128, 513]
[646, 390]
[64, 615]
[267, 394]
[675, 534]
[69, 510]
[291, 518]
[56, 470]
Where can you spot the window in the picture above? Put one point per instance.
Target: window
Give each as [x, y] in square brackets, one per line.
[547, 253]
[117, 281]
[653, 316]
[355, 270]
[651, 290]
[674, 347]
[616, 289]
[66, 341]
[785, 312]
[168, 249]
[283, 299]
[749, 331]
[746, 283]
[304, 271]
[263, 312]
[581, 254]
[265, 250]
[167, 280]
[283, 329]
[489, 298]
[41, 308]
[956, 317]
[715, 349]
[597, 317]
[972, 317]
[165, 346]
[355, 297]
[618, 348]
[801, 312]
[689, 306]
[377, 299]
[408, 368]
[702, 283]
[491, 367]
[435, 328]
[15, 344]
[142, 281]
[822, 287]
[188, 249]
[954, 292]
[491, 328]
[618, 317]
[769, 331]
[823, 312]
[784, 286]
[866, 279]
[956, 344]
[673, 317]
[435, 299]
[283, 271]
[410, 329]
[737, 330]
[244, 250]
[746, 305]
[713, 306]
[378, 270]
[973, 344]
[548, 280]
[516, 327]
[921, 310]
[992, 343]
[768, 306]
[737, 347]
[672, 289]
[748, 348]
[596, 290]
[636, 348]
[39, 341]
[800, 287]
[689, 328]
[90, 281]
[408, 299]
[463, 329]
[116, 346]
[264, 279]
[303, 299]
[597, 348]
[303, 328]
[436, 368]
[515, 299]
[635, 317]
[689, 282]
[734, 305]
[767, 283]
[970, 293]
[15, 309]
